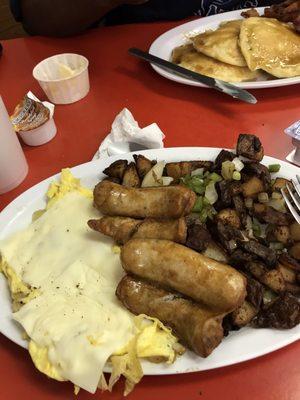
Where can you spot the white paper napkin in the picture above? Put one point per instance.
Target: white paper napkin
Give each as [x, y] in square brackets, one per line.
[126, 136]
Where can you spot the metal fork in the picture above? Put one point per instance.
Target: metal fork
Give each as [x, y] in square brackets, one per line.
[295, 198]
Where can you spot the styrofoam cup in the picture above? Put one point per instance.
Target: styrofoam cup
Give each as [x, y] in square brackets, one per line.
[13, 164]
[52, 75]
[39, 135]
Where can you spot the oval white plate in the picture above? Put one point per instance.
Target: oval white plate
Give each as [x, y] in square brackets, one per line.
[162, 47]
[239, 346]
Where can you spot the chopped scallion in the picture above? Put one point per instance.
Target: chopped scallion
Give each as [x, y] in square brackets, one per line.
[198, 204]
[274, 167]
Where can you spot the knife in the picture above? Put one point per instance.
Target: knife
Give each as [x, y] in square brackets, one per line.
[217, 84]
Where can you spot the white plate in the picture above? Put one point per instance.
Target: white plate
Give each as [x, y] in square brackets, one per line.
[162, 47]
[239, 346]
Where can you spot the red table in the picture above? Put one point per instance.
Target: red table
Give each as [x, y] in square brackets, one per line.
[189, 117]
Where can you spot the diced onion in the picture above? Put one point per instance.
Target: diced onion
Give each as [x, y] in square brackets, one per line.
[216, 253]
[268, 296]
[236, 176]
[215, 177]
[198, 171]
[263, 197]
[210, 193]
[152, 178]
[248, 202]
[166, 180]
[276, 196]
[239, 165]
[249, 225]
[277, 204]
[227, 170]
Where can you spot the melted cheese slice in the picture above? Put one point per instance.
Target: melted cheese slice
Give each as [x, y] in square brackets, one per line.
[77, 316]
[270, 45]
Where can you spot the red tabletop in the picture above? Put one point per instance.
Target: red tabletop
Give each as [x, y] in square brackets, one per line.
[188, 116]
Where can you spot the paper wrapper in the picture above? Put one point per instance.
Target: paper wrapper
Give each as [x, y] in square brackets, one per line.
[33, 120]
[31, 113]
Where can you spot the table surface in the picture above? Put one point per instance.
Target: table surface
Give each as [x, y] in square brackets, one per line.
[188, 116]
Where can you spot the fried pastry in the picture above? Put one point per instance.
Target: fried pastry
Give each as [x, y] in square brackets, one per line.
[270, 45]
[222, 43]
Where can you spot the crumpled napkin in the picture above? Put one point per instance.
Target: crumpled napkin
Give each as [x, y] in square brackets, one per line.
[126, 136]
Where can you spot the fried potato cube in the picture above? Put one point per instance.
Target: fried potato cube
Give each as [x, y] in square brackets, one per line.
[280, 183]
[288, 274]
[279, 233]
[131, 177]
[143, 164]
[257, 270]
[116, 169]
[290, 262]
[292, 288]
[252, 12]
[243, 315]
[252, 187]
[274, 280]
[179, 169]
[259, 208]
[249, 146]
[294, 251]
[229, 217]
[295, 231]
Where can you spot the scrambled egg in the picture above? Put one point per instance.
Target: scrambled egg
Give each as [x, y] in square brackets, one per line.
[68, 183]
[52, 304]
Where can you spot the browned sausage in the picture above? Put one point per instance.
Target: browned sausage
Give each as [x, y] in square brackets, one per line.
[121, 229]
[197, 327]
[155, 202]
[179, 268]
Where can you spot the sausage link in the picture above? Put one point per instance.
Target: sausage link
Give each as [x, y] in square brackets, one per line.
[196, 327]
[121, 229]
[154, 202]
[179, 268]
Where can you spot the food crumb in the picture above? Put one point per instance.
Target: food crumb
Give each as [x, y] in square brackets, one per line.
[116, 249]
[76, 390]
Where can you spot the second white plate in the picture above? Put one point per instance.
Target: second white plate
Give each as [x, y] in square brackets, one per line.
[238, 346]
[162, 47]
